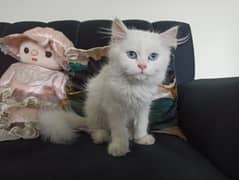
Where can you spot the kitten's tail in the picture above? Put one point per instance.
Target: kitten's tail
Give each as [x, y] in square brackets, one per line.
[58, 126]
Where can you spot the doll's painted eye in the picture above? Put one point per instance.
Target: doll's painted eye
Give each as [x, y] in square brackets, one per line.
[48, 54]
[26, 50]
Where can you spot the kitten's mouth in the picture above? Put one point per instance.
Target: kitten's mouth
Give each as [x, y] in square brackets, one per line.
[138, 76]
[141, 76]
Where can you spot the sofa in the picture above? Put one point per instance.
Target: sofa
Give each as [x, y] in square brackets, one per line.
[207, 112]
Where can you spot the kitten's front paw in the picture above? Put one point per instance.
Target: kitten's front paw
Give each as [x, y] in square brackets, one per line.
[100, 136]
[118, 149]
[146, 140]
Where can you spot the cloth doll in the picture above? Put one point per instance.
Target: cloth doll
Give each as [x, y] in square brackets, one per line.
[34, 84]
[36, 87]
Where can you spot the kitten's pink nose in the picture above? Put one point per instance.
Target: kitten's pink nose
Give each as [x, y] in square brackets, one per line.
[142, 66]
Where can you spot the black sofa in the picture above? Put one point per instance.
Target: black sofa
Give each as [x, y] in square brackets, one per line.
[207, 112]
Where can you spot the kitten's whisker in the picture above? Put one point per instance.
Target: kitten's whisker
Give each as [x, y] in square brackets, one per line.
[107, 33]
[105, 28]
[183, 40]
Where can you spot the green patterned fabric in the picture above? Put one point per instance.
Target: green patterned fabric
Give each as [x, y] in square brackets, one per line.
[163, 110]
[162, 114]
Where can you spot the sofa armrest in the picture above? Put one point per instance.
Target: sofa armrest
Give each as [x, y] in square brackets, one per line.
[208, 112]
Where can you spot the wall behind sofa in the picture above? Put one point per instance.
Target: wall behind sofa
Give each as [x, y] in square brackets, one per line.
[214, 23]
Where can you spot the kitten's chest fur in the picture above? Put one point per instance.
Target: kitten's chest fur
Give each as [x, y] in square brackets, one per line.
[129, 96]
[132, 95]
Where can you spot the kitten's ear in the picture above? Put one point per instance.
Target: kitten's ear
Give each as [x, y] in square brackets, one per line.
[119, 31]
[169, 37]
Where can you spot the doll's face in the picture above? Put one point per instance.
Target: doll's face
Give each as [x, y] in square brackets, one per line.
[32, 53]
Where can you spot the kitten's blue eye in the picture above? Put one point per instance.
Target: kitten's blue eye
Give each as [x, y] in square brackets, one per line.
[131, 54]
[153, 56]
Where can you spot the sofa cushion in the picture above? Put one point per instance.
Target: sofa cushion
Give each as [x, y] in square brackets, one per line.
[170, 158]
[208, 114]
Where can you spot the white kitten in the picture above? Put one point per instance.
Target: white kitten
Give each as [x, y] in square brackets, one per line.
[119, 97]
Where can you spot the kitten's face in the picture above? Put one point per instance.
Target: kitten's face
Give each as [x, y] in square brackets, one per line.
[139, 55]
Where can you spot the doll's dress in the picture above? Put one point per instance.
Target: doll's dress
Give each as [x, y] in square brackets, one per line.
[25, 91]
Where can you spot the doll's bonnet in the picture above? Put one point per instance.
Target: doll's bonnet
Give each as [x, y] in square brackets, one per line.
[43, 36]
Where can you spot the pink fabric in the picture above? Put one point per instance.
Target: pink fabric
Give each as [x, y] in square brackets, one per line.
[23, 115]
[30, 79]
[42, 36]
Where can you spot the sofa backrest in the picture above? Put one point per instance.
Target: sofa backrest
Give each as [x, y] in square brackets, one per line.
[88, 34]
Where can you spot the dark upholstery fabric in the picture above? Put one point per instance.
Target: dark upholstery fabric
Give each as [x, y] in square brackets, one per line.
[170, 158]
[20, 27]
[90, 34]
[69, 28]
[209, 115]
[2, 28]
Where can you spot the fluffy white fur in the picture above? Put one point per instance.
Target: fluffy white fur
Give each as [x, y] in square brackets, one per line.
[119, 97]
[58, 126]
